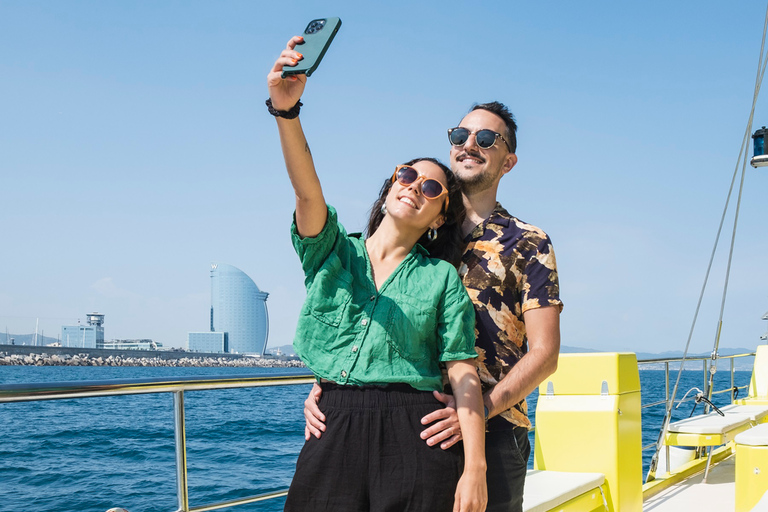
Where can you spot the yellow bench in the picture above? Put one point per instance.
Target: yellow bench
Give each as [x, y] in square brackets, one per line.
[712, 429]
[715, 430]
[563, 490]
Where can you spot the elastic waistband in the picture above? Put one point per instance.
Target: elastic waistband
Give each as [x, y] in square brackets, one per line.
[389, 395]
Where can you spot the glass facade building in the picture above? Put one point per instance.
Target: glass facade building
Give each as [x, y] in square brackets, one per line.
[145, 344]
[207, 342]
[84, 336]
[239, 309]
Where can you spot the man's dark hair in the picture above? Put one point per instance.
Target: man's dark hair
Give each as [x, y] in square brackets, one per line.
[449, 244]
[503, 112]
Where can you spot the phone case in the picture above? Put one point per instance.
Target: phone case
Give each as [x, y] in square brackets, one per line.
[317, 38]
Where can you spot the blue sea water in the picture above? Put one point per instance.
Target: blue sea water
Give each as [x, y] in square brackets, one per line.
[91, 454]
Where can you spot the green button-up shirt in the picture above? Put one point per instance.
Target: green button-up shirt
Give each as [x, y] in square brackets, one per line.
[350, 333]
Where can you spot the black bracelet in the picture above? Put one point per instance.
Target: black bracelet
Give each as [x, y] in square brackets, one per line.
[287, 114]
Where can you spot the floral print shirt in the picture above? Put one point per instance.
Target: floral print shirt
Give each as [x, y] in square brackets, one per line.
[508, 268]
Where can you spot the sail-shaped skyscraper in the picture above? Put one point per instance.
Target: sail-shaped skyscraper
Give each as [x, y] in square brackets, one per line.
[239, 319]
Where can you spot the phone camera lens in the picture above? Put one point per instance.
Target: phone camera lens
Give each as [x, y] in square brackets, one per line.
[315, 26]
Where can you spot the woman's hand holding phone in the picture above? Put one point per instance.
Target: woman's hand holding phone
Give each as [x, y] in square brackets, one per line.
[286, 92]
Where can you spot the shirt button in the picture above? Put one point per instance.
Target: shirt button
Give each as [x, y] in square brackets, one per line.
[343, 373]
[373, 297]
[364, 322]
[354, 349]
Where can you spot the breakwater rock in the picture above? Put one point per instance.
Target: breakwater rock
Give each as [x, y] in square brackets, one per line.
[88, 360]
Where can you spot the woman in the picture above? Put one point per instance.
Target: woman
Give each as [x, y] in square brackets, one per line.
[380, 317]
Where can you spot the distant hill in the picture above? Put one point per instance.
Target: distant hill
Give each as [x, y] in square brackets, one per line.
[565, 349]
[26, 339]
[286, 350]
[679, 353]
[740, 364]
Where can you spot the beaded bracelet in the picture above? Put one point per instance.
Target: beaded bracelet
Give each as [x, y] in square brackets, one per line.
[287, 114]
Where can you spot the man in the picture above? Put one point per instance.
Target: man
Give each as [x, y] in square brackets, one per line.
[510, 273]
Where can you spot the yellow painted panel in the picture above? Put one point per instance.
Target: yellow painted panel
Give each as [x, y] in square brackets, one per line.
[591, 501]
[758, 384]
[751, 475]
[679, 439]
[584, 374]
[594, 434]
[751, 401]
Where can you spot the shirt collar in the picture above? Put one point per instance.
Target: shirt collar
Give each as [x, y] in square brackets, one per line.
[498, 216]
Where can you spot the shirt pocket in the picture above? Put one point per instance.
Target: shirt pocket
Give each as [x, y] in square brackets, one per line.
[412, 329]
[330, 292]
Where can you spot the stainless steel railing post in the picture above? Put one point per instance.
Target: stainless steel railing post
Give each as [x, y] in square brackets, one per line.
[179, 432]
[668, 463]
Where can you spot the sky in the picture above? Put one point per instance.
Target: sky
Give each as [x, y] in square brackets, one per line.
[136, 150]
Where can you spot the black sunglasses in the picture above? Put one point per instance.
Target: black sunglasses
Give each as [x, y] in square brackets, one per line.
[484, 138]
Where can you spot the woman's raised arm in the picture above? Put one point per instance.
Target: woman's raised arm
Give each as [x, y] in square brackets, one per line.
[285, 93]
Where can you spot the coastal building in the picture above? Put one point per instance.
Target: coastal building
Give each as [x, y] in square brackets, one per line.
[143, 344]
[84, 336]
[239, 319]
[208, 341]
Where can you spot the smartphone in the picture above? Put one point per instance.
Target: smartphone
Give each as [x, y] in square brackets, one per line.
[317, 38]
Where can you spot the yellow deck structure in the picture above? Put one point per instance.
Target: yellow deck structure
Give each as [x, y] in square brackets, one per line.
[588, 421]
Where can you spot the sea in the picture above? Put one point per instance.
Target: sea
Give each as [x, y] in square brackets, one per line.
[92, 454]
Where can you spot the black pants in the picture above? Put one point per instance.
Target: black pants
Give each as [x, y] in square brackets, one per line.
[506, 453]
[371, 458]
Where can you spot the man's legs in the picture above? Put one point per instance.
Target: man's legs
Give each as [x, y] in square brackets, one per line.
[506, 453]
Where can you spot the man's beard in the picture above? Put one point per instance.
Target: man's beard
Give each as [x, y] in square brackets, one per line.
[475, 183]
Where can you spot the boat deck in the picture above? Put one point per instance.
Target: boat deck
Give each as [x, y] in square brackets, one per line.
[718, 493]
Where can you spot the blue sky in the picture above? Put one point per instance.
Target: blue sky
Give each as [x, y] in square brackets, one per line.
[135, 150]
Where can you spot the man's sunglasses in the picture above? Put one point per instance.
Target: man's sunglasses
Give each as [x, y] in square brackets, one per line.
[484, 138]
[430, 188]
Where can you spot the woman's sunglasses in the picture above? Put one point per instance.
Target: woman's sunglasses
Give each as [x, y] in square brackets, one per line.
[484, 138]
[430, 188]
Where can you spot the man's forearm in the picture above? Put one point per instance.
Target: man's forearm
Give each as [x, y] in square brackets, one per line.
[543, 327]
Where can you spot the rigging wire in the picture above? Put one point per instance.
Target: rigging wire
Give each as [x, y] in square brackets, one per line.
[743, 155]
[745, 144]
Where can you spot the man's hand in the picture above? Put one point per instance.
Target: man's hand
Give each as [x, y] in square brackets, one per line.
[315, 419]
[446, 429]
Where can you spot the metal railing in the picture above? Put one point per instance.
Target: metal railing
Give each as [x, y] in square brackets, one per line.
[177, 386]
[705, 368]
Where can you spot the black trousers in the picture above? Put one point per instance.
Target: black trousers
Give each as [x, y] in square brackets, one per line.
[371, 458]
[506, 453]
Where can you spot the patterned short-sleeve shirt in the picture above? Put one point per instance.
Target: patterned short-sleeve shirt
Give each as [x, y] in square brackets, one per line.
[508, 268]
